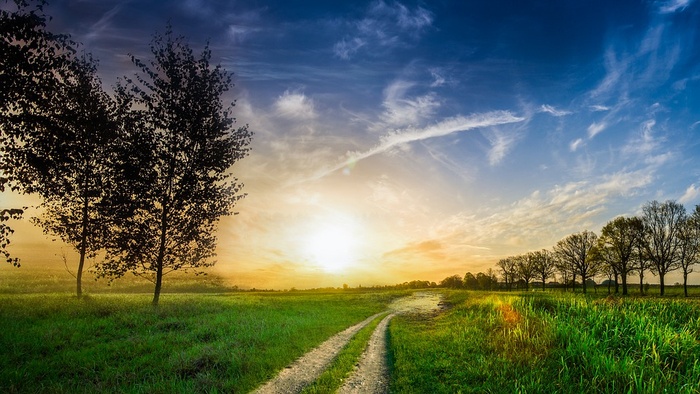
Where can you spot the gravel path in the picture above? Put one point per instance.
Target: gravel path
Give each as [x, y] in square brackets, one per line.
[371, 374]
[306, 369]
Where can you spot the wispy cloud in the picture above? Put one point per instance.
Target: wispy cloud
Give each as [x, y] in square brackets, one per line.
[399, 110]
[692, 194]
[669, 7]
[575, 144]
[406, 136]
[501, 144]
[384, 25]
[595, 128]
[295, 106]
[553, 111]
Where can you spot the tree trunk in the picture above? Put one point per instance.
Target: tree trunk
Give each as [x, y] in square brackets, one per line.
[685, 283]
[624, 284]
[617, 283]
[161, 255]
[83, 242]
[583, 280]
[641, 281]
[661, 283]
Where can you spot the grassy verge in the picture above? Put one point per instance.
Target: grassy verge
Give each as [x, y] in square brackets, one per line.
[549, 343]
[191, 343]
[332, 378]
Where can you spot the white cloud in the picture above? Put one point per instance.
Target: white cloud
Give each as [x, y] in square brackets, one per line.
[691, 194]
[345, 48]
[672, 6]
[401, 137]
[295, 106]
[599, 108]
[553, 111]
[501, 145]
[596, 128]
[384, 25]
[401, 111]
[574, 145]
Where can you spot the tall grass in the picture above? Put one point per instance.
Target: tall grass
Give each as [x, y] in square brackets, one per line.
[548, 342]
[191, 343]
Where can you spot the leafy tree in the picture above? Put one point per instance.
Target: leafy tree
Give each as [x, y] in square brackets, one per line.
[186, 144]
[619, 238]
[452, 282]
[689, 251]
[662, 242]
[574, 250]
[604, 255]
[6, 231]
[470, 281]
[508, 271]
[72, 162]
[544, 265]
[33, 62]
[524, 264]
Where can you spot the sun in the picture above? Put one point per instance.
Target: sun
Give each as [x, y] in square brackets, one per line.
[333, 247]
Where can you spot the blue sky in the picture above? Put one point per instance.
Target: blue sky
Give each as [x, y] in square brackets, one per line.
[431, 138]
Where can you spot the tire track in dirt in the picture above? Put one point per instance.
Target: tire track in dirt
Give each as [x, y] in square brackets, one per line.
[371, 374]
[306, 369]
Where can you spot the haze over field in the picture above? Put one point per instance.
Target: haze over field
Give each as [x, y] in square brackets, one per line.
[409, 140]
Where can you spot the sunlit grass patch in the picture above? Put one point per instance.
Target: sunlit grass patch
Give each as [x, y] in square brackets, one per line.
[543, 342]
[191, 343]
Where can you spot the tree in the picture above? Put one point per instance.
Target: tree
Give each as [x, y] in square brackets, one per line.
[662, 226]
[544, 265]
[526, 269]
[574, 250]
[6, 231]
[619, 238]
[452, 282]
[689, 251]
[470, 281]
[71, 165]
[33, 62]
[186, 145]
[508, 271]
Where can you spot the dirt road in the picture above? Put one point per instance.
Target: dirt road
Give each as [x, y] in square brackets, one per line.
[371, 373]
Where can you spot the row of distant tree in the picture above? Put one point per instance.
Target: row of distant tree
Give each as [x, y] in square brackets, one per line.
[664, 239]
[140, 175]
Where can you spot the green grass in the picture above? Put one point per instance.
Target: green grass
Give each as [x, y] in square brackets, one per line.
[191, 343]
[331, 379]
[544, 342]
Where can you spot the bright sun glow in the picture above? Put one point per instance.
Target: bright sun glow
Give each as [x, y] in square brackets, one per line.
[332, 246]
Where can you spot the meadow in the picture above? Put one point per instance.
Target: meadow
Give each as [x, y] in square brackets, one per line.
[191, 343]
[230, 342]
[549, 342]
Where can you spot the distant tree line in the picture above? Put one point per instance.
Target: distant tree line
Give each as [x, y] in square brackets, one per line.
[139, 176]
[664, 239]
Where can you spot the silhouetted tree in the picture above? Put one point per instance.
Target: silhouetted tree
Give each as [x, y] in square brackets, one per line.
[573, 251]
[6, 231]
[508, 271]
[470, 281]
[452, 282]
[689, 251]
[33, 62]
[72, 161]
[662, 226]
[544, 265]
[524, 264]
[619, 237]
[188, 144]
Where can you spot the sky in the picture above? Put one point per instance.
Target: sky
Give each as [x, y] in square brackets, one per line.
[402, 140]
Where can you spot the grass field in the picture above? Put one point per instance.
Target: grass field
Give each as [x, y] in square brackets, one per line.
[549, 342]
[484, 342]
[191, 343]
